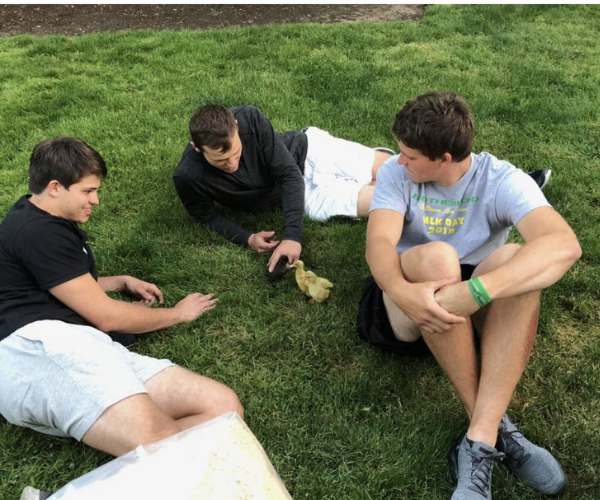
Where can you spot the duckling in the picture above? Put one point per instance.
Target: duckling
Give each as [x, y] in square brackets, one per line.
[301, 275]
[310, 284]
[318, 288]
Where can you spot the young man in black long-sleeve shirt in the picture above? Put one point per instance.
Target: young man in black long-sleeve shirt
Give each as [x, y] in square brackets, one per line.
[236, 159]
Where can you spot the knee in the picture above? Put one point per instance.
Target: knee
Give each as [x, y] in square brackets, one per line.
[226, 402]
[431, 261]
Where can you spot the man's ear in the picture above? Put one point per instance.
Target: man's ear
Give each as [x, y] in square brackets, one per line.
[447, 158]
[53, 188]
[198, 150]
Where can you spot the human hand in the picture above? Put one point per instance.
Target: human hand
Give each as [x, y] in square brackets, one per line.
[260, 242]
[291, 249]
[457, 299]
[146, 292]
[418, 302]
[194, 305]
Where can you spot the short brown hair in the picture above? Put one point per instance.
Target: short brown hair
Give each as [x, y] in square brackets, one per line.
[436, 123]
[64, 159]
[213, 126]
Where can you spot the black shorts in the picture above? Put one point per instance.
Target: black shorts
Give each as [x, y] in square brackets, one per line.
[374, 326]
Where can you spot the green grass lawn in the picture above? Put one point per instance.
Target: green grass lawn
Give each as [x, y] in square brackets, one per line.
[338, 419]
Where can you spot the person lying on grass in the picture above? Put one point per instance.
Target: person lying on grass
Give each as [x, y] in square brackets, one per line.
[442, 271]
[235, 158]
[60, 374]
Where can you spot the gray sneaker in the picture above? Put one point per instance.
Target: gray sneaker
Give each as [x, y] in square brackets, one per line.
[533, 465]
[475, 462]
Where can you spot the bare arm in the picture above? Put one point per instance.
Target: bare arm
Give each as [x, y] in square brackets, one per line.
[550, 249]
[146, 292]
[416, 300]
[87, 298]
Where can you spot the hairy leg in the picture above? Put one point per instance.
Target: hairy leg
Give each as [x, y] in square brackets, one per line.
[507, 337]
[453, 349]
[190, 398]
[177, 399]
[129, 423]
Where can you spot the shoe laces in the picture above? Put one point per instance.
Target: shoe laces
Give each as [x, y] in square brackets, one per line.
[481, 471]
[515, 452]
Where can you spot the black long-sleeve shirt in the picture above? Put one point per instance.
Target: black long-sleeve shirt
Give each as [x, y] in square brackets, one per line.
[269, 173]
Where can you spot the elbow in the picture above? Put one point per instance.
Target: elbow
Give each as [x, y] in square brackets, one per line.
[104, 324]
[105, 319]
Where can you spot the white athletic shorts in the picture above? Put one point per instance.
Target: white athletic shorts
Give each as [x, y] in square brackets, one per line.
[58, 378]
[335, 171]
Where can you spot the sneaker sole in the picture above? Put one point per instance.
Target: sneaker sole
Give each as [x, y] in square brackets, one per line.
[386, 150]
[547, 175]
[452, 457]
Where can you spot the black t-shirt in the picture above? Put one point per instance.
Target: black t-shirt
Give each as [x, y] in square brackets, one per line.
[38, 251]
[269, 174]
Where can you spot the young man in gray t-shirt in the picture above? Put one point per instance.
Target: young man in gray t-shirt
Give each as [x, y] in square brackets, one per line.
[436, 246]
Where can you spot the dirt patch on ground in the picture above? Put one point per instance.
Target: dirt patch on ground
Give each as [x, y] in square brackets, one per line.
[80, 19]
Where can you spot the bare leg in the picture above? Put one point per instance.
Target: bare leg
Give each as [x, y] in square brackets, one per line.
[380, 158]
[507, 338]
[508, 329]
[190, 398]
[454, 349]
[365, 195]
[129, 423]
[178, 399]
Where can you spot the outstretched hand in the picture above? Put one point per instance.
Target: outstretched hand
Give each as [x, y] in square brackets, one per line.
[194, 305]
[420, 305]
[146, 292]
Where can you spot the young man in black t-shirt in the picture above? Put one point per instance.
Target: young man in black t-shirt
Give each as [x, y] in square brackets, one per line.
[59, 372]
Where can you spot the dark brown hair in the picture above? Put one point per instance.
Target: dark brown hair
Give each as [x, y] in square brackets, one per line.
[64, 159]
[436, 123]
[213, 126]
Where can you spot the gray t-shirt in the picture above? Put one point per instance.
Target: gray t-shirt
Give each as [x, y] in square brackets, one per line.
[475, 215]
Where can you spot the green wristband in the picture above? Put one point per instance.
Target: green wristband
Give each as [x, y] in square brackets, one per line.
[479, 292]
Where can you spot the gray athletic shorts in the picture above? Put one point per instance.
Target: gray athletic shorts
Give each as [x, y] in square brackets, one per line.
[58, 378]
